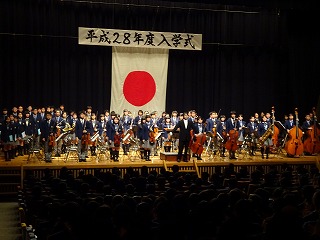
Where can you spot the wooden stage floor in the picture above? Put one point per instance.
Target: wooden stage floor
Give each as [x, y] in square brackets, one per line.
[135, 161]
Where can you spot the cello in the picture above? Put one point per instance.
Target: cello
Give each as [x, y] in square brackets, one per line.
[294, 145]
[152, 134]
[197, 145]
[312, 143]
[232, 142]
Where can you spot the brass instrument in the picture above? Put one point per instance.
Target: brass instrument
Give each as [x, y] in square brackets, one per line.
[68, 128]
[266, 135]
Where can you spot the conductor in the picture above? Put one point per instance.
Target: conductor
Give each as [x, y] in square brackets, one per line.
[185, 126]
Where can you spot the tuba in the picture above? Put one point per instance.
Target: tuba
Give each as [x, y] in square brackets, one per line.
[267, 134]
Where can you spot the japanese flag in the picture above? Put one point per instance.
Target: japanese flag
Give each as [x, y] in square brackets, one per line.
[139, 79]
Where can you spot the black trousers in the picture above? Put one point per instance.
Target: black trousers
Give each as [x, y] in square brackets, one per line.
[183, 148]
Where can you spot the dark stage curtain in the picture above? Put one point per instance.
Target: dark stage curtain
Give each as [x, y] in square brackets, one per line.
[253, 57]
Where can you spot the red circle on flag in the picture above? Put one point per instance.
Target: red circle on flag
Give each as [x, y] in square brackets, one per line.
[139, 88]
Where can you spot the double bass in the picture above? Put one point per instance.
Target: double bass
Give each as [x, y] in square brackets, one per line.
[312, 143]
[275, 133]
[294, 146]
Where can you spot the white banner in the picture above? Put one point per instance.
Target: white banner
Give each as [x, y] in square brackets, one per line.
[139, 79]
[135, 38]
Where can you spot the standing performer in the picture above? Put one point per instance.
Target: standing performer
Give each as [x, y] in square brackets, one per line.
[7, 138]
[126, 122]
[289, 123]
[94, 129]
[21, 134]
[174, 117]
[82, 136]
[29, 133]
[211, 128]
[167, 136]
[147, 137]
[36, 119]
[48, 130]
[200, 130]
[222, 131]
[185, 126]
[264, 137]
[142, 135]
[233, 134]
[114, 135]
[241, 125]
[60, 124]
[253, 132]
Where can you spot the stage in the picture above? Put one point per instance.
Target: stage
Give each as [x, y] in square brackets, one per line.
[102, 161]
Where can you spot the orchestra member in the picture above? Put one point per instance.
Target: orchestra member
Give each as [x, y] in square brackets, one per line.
[114, 135]
[60, 124]
[241, 126]
[174, 118]
[7, 139]
[126, 122]
[200, 129]
[222, 131]
[262, 128]
[82, 134]
[94, 129]
[211, 127]
[252, 126]
[29, 132]
[48, 130]
[167, 136]
[231, 124]
[289, 123]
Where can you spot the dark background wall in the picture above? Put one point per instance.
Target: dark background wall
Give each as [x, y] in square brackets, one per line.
[256, 54]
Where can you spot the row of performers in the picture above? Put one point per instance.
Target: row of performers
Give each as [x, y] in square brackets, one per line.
[18, 134]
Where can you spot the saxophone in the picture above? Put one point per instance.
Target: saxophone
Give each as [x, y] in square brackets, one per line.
[267, 134]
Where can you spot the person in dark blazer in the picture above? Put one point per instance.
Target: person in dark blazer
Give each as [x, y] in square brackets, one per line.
[185, 126]
[114, 135]
[231, 124]
[289, 123]
[48, 130]
[200, 129]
